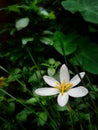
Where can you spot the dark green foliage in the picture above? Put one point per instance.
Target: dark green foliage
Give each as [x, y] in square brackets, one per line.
[35, 39]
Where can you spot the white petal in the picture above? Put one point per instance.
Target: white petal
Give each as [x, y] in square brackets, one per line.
[76, 79]
[78, 92]
[62, 99]
[50, 81]
[64, 74]
[46, 91]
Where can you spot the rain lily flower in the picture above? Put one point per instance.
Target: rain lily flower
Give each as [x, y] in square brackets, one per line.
[64, 88]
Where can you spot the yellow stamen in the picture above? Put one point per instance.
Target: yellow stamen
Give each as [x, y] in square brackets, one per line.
[63, 86]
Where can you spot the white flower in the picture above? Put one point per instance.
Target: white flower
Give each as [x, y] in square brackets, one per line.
[64, 88]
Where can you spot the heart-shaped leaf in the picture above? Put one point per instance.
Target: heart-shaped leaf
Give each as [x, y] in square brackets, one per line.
[87, 8]
[87, 57]
[64, 44]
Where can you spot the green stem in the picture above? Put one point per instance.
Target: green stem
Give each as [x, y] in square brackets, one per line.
[12, 97]
[4, 69]
[35, 65]
[63, 50]
[72, 121]
[71, 113]
[32, 57]
[16, 79]
[69, 107]
[78, 115]
[17, 100]
[90, 124]
[51, 119]
[3, 119]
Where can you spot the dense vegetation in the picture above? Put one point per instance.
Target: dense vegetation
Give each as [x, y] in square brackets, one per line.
[36, 38]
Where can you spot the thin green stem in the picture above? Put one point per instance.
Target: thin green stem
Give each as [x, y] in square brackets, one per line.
[12, 97]
[4, 69]
[69, 108]
[63, 50]
[51, 119]
[16, 79]
[19, 101]
[78, 115]
[3, 119]
[28, 50]
[90, 124]
[56, 115]
[72, 121]
[32, 58]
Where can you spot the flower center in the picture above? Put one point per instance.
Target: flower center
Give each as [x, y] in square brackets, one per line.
[63, 86]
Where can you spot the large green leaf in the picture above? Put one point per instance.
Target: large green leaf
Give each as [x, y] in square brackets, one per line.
[87, 8]
[87, 57]
[72, 5]
[64, 44]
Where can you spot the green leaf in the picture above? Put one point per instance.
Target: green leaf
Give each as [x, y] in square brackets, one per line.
[13, 8]
[22, 23]
[51, 61]
[92, 95]
[16, 71]
[72, 5]
[46, 40]
[12, 78]
[11, 107]
[87, 57]
[35, 76]
[22, 116]
[87, 8]
[42, 118]
[51, 71]
[43, 12]
[31, 101]
[84, 116]
[90, 12]
[26, 40]
[25, 70]
[65, 44]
